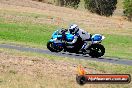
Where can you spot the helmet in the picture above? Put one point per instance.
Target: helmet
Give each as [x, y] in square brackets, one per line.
[73, 28]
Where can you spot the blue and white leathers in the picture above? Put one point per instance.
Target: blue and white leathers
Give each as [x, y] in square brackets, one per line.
[85, 36]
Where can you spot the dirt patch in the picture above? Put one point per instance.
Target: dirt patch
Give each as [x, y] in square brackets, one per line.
[31, 70]
[25, 71]
[34, 65]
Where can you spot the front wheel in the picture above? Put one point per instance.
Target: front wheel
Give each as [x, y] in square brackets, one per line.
[50, 46]
[96, 50]
[53, 48]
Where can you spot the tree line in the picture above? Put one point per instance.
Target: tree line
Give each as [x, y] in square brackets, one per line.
[100, 7]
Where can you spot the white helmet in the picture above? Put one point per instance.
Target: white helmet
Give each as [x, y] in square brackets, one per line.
[73, 28]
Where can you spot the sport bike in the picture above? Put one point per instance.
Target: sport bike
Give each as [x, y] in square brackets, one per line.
[59, 40]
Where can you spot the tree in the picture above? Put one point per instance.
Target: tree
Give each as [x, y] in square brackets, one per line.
[128, 9]
[101, 7]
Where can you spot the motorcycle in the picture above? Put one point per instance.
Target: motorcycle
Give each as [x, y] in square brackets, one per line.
[59, 40]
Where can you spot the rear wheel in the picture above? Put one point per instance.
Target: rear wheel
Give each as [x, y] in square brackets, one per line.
[96, 50]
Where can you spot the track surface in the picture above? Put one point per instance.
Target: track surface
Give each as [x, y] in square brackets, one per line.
[65, 54]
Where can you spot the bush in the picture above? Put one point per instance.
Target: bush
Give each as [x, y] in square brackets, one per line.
[101, 7]
[128, 9]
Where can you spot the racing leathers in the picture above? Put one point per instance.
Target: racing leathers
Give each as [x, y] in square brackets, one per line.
[85, 37]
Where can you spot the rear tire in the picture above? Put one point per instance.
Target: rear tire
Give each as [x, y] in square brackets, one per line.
[96, 50]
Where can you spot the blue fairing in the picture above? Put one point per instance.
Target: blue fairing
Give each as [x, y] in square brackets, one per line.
[58, 35]
[69, 37]
[51, 40]
[97, 37]
[55, 44]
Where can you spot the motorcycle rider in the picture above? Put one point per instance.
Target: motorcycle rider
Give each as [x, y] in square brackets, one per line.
[79, 33]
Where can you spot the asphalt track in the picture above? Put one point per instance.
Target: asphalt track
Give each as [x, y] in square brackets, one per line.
[66, 54]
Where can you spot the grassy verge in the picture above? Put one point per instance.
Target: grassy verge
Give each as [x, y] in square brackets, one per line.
[103, 67]
[38, 35]
[118, 46]
[27, 33]
[27, 71]
[14, 29]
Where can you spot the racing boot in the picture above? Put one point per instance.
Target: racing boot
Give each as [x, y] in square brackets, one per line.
[83, 51]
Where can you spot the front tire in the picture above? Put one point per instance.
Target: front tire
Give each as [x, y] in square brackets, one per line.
[53, 48]
[50, 46]
[96, 50]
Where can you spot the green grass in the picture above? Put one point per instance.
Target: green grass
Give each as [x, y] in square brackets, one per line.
[37, 34]
[28, 33]
[118, 46]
